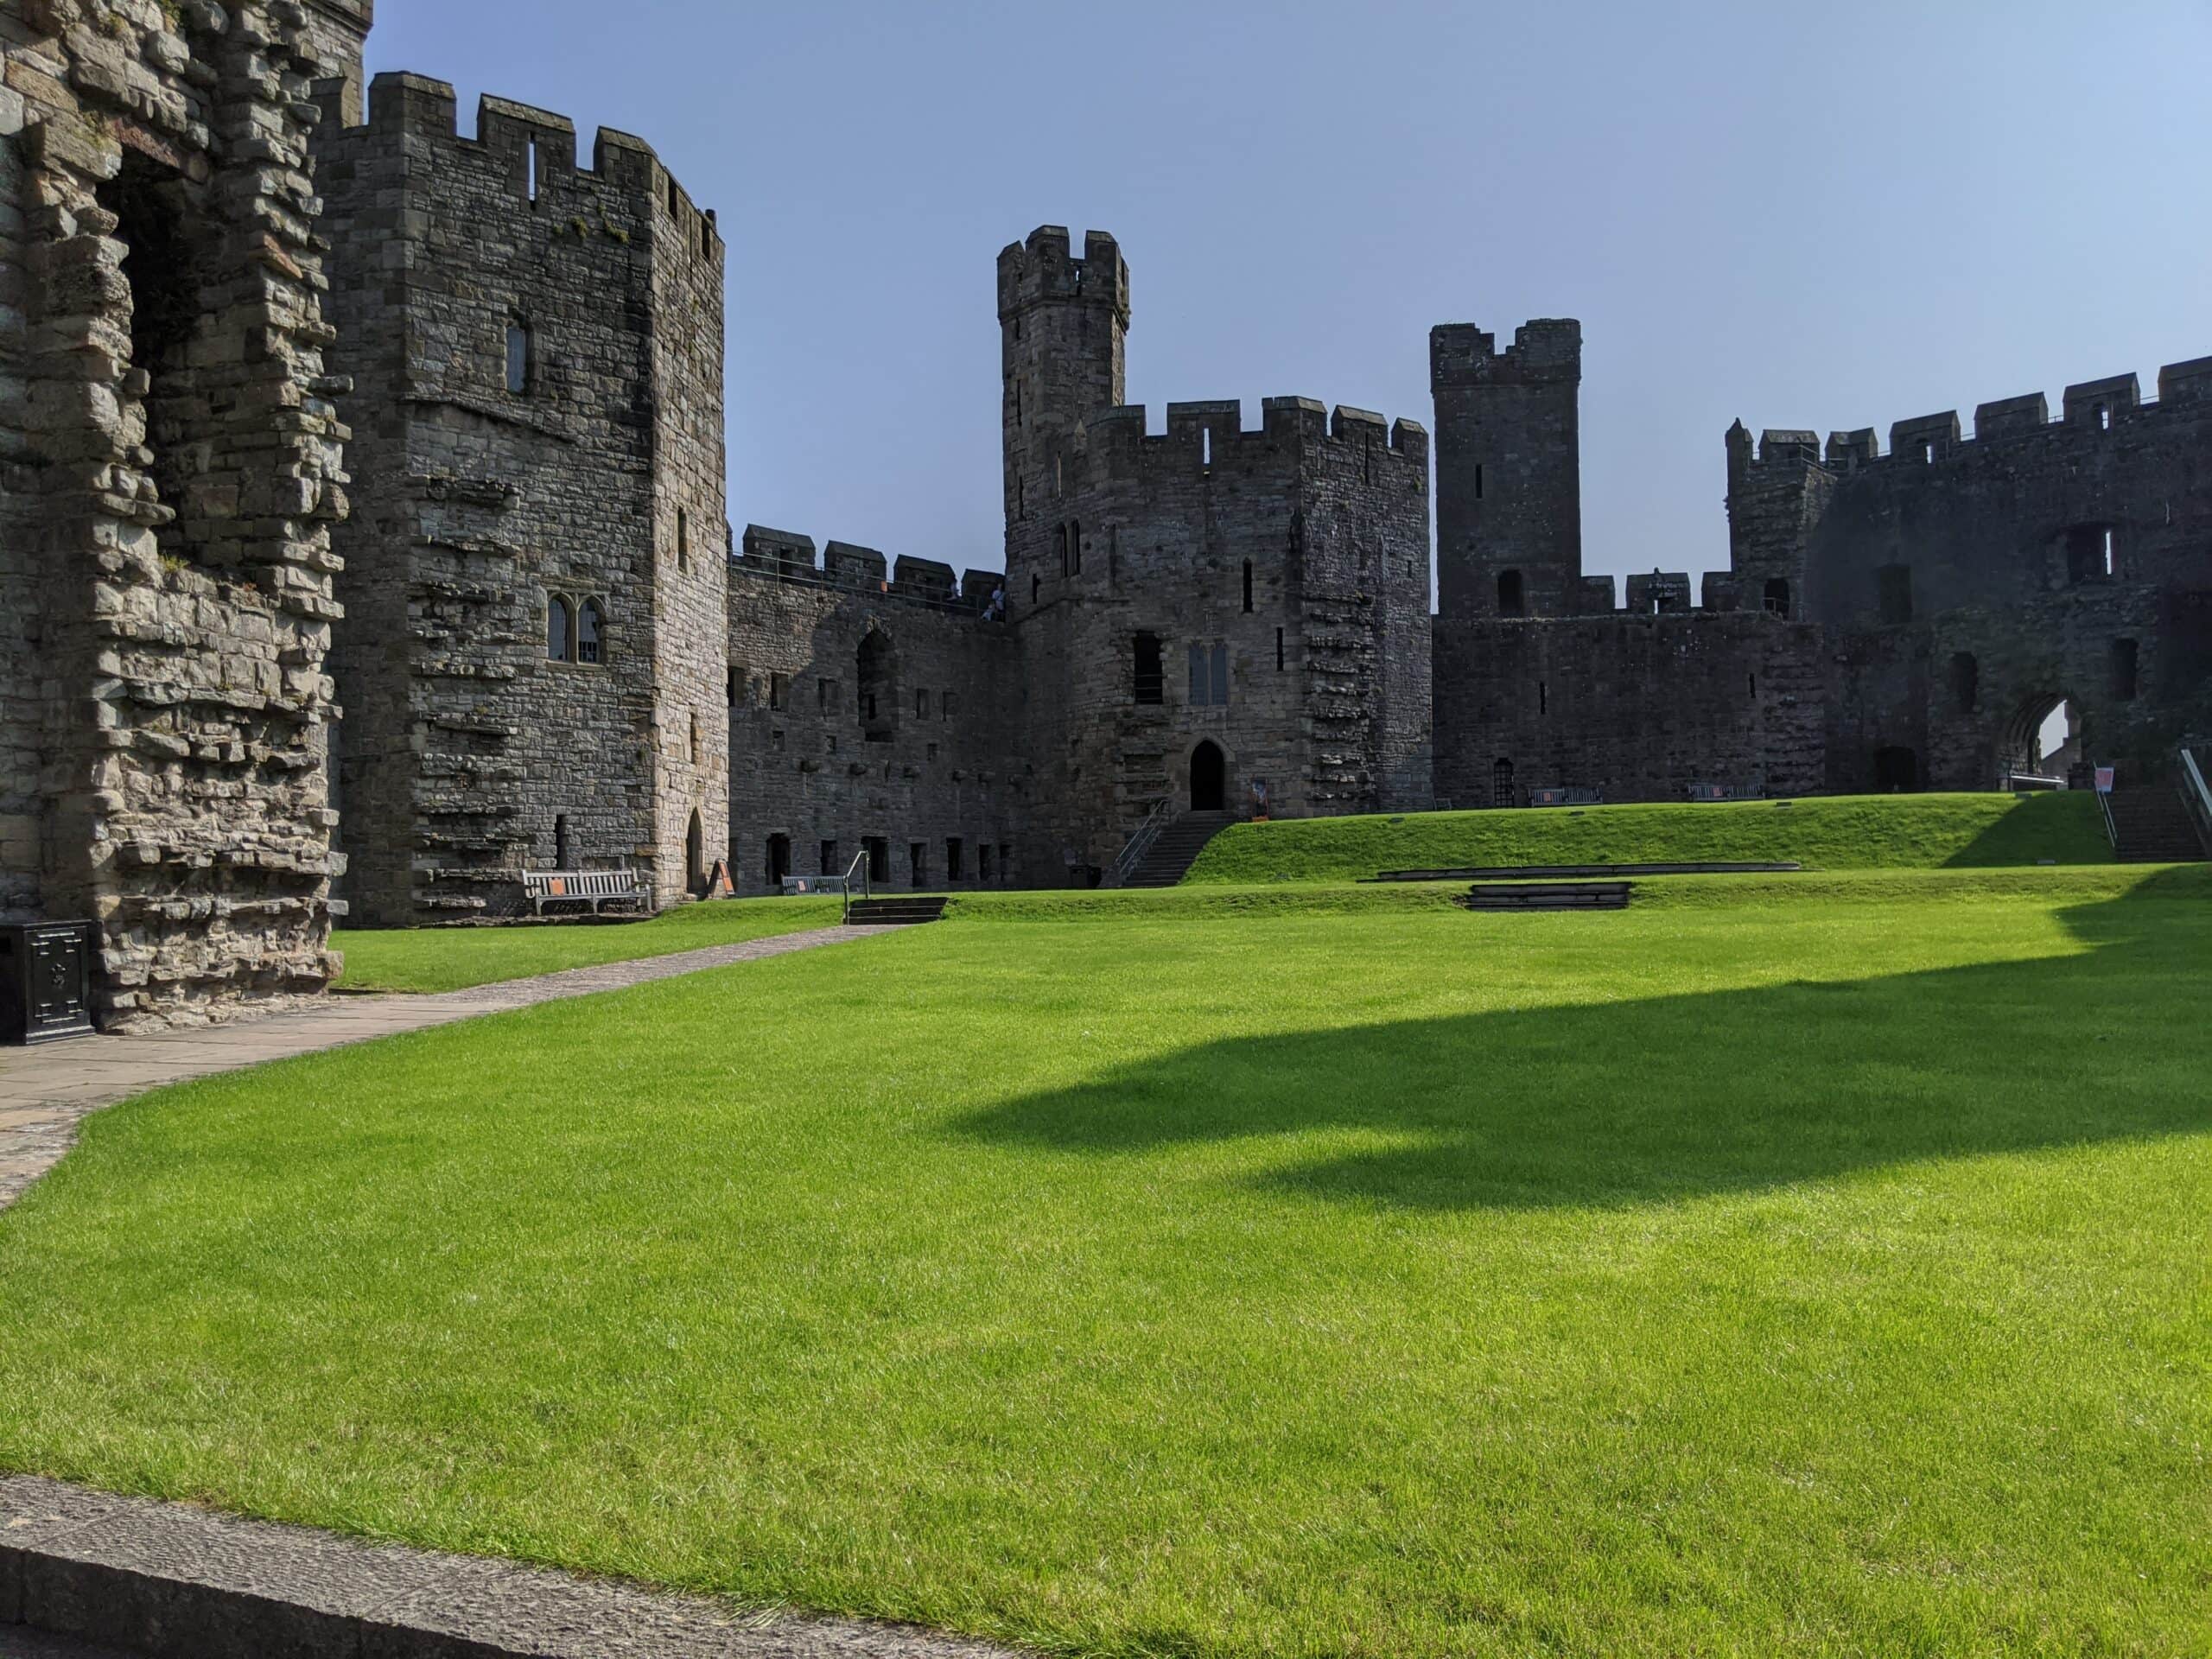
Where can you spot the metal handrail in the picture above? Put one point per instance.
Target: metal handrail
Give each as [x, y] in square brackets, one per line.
[2199, 798]
[1140, 843]
[858, 866]
[2111, 829]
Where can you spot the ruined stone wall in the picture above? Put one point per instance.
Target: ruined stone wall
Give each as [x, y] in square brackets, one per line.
[937, 756]
[170, 454]
[1641, 708]
[1971, 583]
[470, 752]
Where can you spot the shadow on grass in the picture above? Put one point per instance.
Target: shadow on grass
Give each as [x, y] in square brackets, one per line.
[1678, 1096]
[2064, 825]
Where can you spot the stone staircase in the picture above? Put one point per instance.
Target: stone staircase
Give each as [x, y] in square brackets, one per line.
[1170, 857]
[912, 910]
[2152, 826]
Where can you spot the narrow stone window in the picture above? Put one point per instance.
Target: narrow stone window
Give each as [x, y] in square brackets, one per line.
[590, 628]
[821, 696]
[1150, 677]
[1060, 536]
[1894, 593]
[1201, 693]
[779, 691]
[1075, 544]
[1248, 587]
[562, 859]
[1478, 480]
[1036, 587]
[1778, 597]
[734, 688]
[983, 863]
[2125, 654]
[682, 539]
[535, 166]
[778, 864]
[945, 706]
[879, 697]
[921, 702]
[830, 865]
[557, 630]
[1279, 650]
[1220, 676]
[2102, 413]
[918, 855]
[695, 740]
[1543, 696]
[1965, 681]
[2110, 549]
[518, 359]
[1751, 686]
[1511, 601]
[674, 201]
[953, 872]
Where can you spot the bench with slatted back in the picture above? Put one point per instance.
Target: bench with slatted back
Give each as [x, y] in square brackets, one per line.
[594, 889]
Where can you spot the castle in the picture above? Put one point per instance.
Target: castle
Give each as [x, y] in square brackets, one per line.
[364, 542]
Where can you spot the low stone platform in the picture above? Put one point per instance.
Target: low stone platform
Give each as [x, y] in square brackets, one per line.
[84, 1575]
[45, 1092]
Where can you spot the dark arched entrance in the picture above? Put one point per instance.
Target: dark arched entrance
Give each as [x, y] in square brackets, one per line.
[1896, 772]
[1209, 778]
[694, 854]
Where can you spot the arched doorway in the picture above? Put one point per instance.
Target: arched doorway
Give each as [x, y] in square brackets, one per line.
[1896, 771]
[1209, 778]
[2043, 739]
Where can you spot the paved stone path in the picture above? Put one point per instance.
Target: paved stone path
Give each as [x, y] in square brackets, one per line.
[46, 1092]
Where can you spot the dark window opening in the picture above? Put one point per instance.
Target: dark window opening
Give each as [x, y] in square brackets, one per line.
[983, 861]
[829, 866]
[1036, 587]
[682, 539]
[518, 358]
[878, 692]
[822, 696]
[954, 857]
[1778, 597]
[1751, 686]
[557, 630]
[778, 864]
[1928, 451]
[775, 742]
[694, 854]
[1151, 677]
[1511, 599]
[730, 687]
[1896, 771]
[1209, 778]
[922, 701]
[2092, 553]
[779, 690]
[1074, 545]
[2102, 415]
[1965, 681]
[563, 855]
[1893, 592]
[1279, 650]
[1501, 783]
[879, 858]
[2124, 655]
[918, 860]
[1248, 587]
[1006, 862]
[590, 625]
[1061, 538]
[1478, 480]
[1543, 696]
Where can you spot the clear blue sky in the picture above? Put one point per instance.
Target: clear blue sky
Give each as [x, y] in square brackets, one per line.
[1807, 215]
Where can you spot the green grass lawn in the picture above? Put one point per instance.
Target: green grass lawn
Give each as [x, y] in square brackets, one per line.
[1723, 1276]
[452, 959]
[1837, 833]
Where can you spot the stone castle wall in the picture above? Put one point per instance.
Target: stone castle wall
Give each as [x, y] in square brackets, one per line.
[867, 707]
[578, 485]
[171, 469]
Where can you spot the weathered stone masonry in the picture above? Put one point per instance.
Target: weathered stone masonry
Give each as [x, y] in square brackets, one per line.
[169, 472]
[533, 662]
[1894, 621]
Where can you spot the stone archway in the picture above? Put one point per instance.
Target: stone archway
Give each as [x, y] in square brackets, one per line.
[1209, 778]
[2044, 738]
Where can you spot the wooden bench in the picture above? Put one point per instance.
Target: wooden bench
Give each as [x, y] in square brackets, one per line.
[1550, 895]
[594, 889]
[799, 885]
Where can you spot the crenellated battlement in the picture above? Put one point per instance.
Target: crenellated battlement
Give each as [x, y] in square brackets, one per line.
[1545, 351]
[2094, 410]
[537, 149]
[1205, 437]
[785, 556]
[1044, 270]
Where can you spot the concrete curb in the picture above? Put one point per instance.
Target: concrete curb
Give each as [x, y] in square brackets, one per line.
[168, 1581]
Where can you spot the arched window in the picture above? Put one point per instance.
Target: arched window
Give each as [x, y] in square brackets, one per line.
[1778, 597]
[557, 630]
[694, 854]
[562, 853]
[519, 353]
[590, 628]
[1510, 601]
[879, 695]
[1248, 587]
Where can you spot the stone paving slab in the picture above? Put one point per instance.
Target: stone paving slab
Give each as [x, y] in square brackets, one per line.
[168, 1581]
[45, 1091]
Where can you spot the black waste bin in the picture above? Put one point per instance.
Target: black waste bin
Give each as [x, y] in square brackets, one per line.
[46, 980]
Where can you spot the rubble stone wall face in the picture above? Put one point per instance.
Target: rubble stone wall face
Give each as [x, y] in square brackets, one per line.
[171, 453]
[584, 497]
